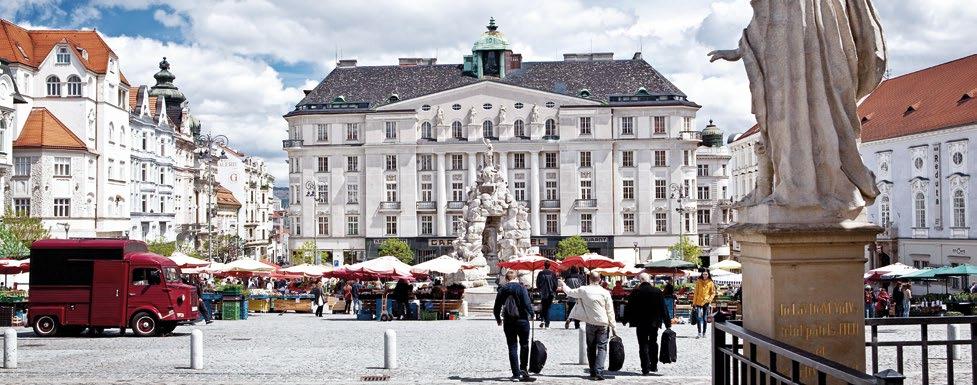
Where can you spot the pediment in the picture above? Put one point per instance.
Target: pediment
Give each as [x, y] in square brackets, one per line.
[487, 91]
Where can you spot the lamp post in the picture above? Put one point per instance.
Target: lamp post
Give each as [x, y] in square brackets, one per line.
[680, 195]
[210, 149]
[311, 191]
[66, 226]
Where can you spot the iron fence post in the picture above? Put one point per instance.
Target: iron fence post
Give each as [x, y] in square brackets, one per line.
[889, 377]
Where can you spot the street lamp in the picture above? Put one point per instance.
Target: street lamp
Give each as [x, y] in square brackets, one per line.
[311, 191]
[210, 148]
[680, 194]
[66, 227]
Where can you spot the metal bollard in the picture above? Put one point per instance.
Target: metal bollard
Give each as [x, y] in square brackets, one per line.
[390, 349]
[582, 356]
[196, 349]
[464, 308]
[952, 331]
[10, 349]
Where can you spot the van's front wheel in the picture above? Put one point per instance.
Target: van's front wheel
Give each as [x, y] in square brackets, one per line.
[144, 324]
[46, 326]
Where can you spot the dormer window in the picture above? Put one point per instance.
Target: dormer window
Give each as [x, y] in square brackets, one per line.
[63, 57]
[642, 92]
[912, 108]
[83, 52]
[393, 98]
[584, 93]
[967, 96]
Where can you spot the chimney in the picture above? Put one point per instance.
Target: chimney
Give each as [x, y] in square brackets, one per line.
[514, 62]
[346, 63]
[588, 56]
[637, 56]
[417, 61]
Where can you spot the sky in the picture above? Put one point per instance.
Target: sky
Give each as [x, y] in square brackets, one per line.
[243, 64]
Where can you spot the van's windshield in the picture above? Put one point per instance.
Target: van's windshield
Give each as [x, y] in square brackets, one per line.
[172, 274]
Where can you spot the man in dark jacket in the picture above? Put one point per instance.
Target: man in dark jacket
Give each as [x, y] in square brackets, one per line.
[402, 292]
[646, 311]
[546, 284]
[318, 299]
[513, 311]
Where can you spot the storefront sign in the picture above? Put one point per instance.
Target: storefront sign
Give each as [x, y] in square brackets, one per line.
[440, 242]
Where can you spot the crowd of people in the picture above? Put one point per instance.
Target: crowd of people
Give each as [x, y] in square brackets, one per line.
[879, 302]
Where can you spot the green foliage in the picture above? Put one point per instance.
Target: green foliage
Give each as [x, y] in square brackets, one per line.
[570, 247]
[24, 229]
[304, 254]
[397, 248]
[225, 248]
[10, 246]
[161, 247]
[690, 252]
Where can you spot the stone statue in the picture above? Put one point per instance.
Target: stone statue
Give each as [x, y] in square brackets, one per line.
[502, 119]
[534, 115]
[808, 62]
[472, 115]
[439, 117]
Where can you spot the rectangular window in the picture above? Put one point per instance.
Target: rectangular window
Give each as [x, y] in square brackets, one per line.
[661, 222]
[62, 166]
[322, 132]
[659, 125]
[628, 186]
[586, 189]
[549, 160]
[22, 165]
[22, 206]
[62, 207]
[628, 222]
[456, 224]
[322, 195]
[520, 190]
[391, 191]
[584, 158]
[352, 132]
[704, 239]
[457, 192]
[323, 225]
[704, 217]
[391, 162]
[323, 164]
[352, 163]
[518, 160]
[627, 125]
[703, 193]
[660, 158]
[586, 223]
[585, 125]
[552, 223]
[427, 225]
[425, 162]
[426, 192]
[63, 57]
[352, 193]
[627, 158]
[661, 191]
[352, 225]
[390, 130]
[391, 225]
[457, 162]
[551, 190]
[688, 222]
[702, 170]
[687, 123]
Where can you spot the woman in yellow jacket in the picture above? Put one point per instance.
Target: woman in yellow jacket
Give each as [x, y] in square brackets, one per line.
[702, 297]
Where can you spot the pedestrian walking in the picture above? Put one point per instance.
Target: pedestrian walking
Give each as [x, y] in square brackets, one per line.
[646, 311]
[705, 293]
[573, 281]
[355, 294]
[402, 293]
[869, 302]
[513, 311]
[907, 296]
[669, 293]
[318, 298]
[898, 297]
[596, 309]
[347, 297]
[204, 306]
[882, 301]
[546, 284]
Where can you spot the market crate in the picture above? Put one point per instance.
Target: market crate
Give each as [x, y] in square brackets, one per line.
[261, 305]
[428, 315]
[558, 312]
[290, 304]
[231, 310]
[365, 316]
[244, 309]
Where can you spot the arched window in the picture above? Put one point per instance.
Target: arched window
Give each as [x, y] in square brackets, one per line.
[959, 209]
[488, 130]
[884, 211]
[520, 128]
[550, 127]
[919, 207]
[74, 85]
[457, 131]
[122, 135]
[426, 131]
[53, 86]
[111, 133]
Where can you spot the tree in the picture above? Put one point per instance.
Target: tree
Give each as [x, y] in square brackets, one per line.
[571, 247]
[24, 228]
[397, 248]
[688, 251]
[10, 246]
[162, 247]
[304, 254]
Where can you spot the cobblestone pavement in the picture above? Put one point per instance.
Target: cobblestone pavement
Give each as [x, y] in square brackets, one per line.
[298, 348]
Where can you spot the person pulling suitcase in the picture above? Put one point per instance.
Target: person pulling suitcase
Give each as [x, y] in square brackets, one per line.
[513, 311]
[646, 312]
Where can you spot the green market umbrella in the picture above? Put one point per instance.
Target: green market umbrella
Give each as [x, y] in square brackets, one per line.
[923, 274]
[958, 271]
[670, 264]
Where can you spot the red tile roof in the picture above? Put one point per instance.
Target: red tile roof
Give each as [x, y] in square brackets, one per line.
[226, 197]
[926, 100]
[753, 130]
[43, 130]
[31, 46]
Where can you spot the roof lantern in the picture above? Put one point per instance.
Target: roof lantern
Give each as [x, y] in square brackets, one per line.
[164, 85]
[712, 136]
[488, 53]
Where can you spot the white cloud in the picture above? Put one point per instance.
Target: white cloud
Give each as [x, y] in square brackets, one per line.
[170, 20]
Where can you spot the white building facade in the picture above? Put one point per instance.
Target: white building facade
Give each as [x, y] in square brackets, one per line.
[152, 147]
[388, 151]
[248, 180]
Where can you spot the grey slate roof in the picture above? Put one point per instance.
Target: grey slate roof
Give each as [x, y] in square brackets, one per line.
[603, 78]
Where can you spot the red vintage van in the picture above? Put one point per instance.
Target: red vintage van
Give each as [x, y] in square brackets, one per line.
[105, 283]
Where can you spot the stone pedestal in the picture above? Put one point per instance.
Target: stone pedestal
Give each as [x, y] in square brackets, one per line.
[802, 285]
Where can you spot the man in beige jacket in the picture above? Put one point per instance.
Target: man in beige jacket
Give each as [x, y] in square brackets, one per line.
[595, 308]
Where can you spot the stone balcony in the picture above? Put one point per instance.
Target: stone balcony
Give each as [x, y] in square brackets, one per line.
[292, 143]
[389, 207]
[690, 135]
[549, 204]
[456, 205]
[427, 206]
[585, 204]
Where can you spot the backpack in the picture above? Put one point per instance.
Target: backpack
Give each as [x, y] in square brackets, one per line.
[510, 309]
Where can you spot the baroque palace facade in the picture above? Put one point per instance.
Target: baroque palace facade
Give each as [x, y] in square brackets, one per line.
[593, 146]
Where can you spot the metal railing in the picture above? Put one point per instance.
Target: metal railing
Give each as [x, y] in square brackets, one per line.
[292, 143]
[924, 343]
[735, 361]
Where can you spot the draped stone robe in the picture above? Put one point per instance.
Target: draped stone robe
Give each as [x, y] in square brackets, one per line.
[808, 63]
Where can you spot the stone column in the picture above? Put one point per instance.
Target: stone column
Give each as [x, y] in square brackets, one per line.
[472, 167]
[503, 158]
[534, 196]
[442, 197]
[802, 285]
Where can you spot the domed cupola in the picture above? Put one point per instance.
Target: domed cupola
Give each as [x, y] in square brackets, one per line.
[164, 85]
[712, 136]
[488, 53]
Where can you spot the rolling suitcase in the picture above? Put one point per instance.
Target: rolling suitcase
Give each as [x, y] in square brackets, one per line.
[537, 357]
[616, 359]
[668, 350]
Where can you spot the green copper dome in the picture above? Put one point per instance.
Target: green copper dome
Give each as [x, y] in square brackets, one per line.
[164, 85]
[491, 40]
[712, 136]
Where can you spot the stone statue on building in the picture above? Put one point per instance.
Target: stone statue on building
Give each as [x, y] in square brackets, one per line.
[439, 117]
[808, 63]
[534, 115]
[472, 115]
[502, 117]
